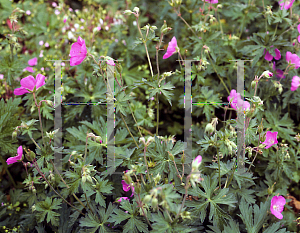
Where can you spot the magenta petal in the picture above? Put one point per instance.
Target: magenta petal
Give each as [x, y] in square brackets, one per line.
[29, 69]
[299, 38]
[274, 65]
[268, 56]
[278, 55]
[40, 80]
[20, 150]
[28, 82]
[126, 187]
[288, 56]
[20, 91]
[167, 55]
[11, 160]
[32, 62]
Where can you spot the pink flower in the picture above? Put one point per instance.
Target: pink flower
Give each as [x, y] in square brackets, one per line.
[28, 12]
[293, 59]
[171, 48]
[29, 69]
[54, 4]
[233, 97]
[277, 206]
[295, 83]
[123, 198]
[212, 1]
[99, 28]
[57, 12]
[65, 20]
[271, 139]
[16, 158]
[196, 162]
[33, 61]
[78, 52]
[269, 57]
[29, 83]
[243, 103]
[286, 4]
[46, 44]
[126, 187]
[236, 101]
[299, 32]
[278, 72]
[1, 76]
[110, 62]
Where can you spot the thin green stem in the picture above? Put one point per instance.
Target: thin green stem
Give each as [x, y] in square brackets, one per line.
[157, 114]
[129, 130]
[146, 162]
[66, 184]
[4, 164]
[39, 171]
[219, 167]
[138, 25]
[90, 206]
[179, 15]
[275, 30]
[218, 75]
[40, 117]
[86, 141]
[185, 195]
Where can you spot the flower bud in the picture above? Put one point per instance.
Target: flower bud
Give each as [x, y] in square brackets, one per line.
[33, 208]
[267, 74]
[127, 12]
[154, 202]
[14, 135]
[147, 198]
[209, 128]
[157, 179]
[182, 159]
[137, 188]
[196, 162]
[136, 9]
[280, 89]
[49, 103]
[253, 84]
[31, 156]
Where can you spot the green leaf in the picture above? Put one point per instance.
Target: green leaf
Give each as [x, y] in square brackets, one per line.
[45, 208]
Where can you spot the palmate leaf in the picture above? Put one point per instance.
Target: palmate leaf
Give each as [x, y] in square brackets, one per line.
[94, 224]
[135, 224]
[253, 225]
[104, 187]
[46, 208]
[8, 122]
[231, 227]
[162, 224]
[216, 212]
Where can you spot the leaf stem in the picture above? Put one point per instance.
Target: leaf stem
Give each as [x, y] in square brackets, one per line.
[40, 117]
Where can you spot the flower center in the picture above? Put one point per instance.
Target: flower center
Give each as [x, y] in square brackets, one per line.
[276, 207]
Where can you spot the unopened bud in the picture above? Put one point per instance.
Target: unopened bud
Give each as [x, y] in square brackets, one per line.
[31, 156]
[253, 84]
[49, 103]
[147, 198]
[154, 202]
[14, 135]
[280, 89]
[209, 128]
[127, 12]
[136, 9]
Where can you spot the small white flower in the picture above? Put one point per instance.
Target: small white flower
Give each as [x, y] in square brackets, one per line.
[57, 12]
[82, 20]
[70, 35]
[101, 21]
[106, 28]
[134, 23]
[76, 25]
[41, 42]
